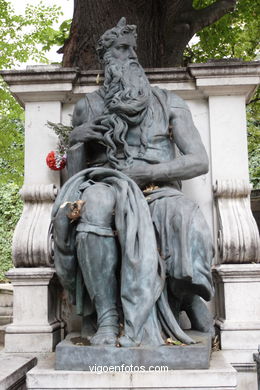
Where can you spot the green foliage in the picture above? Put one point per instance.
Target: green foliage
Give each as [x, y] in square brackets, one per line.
[235, 35]
[10, 210]
[52, 37]
[11, 138]
[21, 36]
[253, 132]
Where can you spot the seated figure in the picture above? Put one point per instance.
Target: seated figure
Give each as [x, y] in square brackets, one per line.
[139, 252]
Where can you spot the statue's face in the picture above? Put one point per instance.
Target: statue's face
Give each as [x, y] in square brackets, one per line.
[123, 49]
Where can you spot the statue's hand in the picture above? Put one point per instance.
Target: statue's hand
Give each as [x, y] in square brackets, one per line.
[141, 175]
[83, 133]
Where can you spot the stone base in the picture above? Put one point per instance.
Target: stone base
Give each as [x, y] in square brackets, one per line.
[238, 311]
[13, 371]
[37, 326]
[2, 335]
[30, 342]
[219, 376]
[242, 361]
[70, 356]
[6, 308]
[240, 339]
[238, 318]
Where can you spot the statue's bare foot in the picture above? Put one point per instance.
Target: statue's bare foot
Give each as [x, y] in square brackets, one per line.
[105, 336]
[126, 342]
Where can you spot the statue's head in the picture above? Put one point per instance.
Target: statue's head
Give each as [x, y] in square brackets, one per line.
[119, 42]
[125, 82]
[127, 92]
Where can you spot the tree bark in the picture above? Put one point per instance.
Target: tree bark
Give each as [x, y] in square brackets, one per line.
[164, 28]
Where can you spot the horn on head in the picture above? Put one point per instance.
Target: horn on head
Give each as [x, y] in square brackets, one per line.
[122, 22]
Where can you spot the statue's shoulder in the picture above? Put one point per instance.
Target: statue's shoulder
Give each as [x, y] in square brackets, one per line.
[89, 106]
[169, 98]
[90, 100]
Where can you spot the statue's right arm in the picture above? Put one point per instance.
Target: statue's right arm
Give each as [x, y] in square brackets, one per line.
[81, 122]
[80, 135]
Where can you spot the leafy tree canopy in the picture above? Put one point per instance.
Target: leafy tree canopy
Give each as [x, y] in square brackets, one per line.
[235, 35]
[21, 36]
[10, 211]
[253, 137]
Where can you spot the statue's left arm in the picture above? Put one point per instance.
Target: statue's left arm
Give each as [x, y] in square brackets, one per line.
[193, 160]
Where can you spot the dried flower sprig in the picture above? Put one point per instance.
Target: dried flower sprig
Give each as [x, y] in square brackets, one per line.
[63, 133]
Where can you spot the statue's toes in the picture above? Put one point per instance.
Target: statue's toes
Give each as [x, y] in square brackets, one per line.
[125, 341]
[104, 339]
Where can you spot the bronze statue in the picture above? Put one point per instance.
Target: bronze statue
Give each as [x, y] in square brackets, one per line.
[140, 252]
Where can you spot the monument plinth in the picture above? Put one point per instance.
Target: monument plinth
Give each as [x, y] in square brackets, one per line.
[70, 355]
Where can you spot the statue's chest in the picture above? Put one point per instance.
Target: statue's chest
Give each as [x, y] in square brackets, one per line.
[153, 129]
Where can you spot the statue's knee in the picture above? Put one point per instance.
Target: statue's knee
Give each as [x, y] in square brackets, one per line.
[99, 204]
[185, 205]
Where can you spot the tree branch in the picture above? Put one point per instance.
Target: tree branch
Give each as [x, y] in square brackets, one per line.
[253, 101]
[204, 17]
[175, 8]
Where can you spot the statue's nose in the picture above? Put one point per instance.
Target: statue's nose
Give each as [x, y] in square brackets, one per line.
[132, 54]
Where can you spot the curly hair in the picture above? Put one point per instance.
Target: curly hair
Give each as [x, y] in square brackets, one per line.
[109, 37]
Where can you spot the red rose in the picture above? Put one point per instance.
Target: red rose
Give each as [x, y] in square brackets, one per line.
[55, 162]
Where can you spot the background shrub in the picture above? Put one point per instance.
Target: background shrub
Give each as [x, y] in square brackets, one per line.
[10, 211]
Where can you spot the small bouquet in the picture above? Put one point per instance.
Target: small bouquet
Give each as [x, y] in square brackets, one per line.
[56, 160]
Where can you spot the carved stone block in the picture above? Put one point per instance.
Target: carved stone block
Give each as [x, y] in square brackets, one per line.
[32, 242]
[238, 237]
[37, 326]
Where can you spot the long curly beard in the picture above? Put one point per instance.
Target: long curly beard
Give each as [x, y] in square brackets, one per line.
[127, 103]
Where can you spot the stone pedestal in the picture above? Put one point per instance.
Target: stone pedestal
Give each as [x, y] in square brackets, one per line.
[6, 303]
[73, 355]
[6, 308]
[36, 326]
[238, 314]
[257, 360]
[219, 376]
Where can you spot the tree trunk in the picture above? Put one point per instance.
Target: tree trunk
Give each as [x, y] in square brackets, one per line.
[164, 28]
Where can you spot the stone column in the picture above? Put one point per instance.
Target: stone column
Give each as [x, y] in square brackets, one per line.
[239, 318]
[237, 276]
[37, 324]
[237, 270]
[6, 308]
